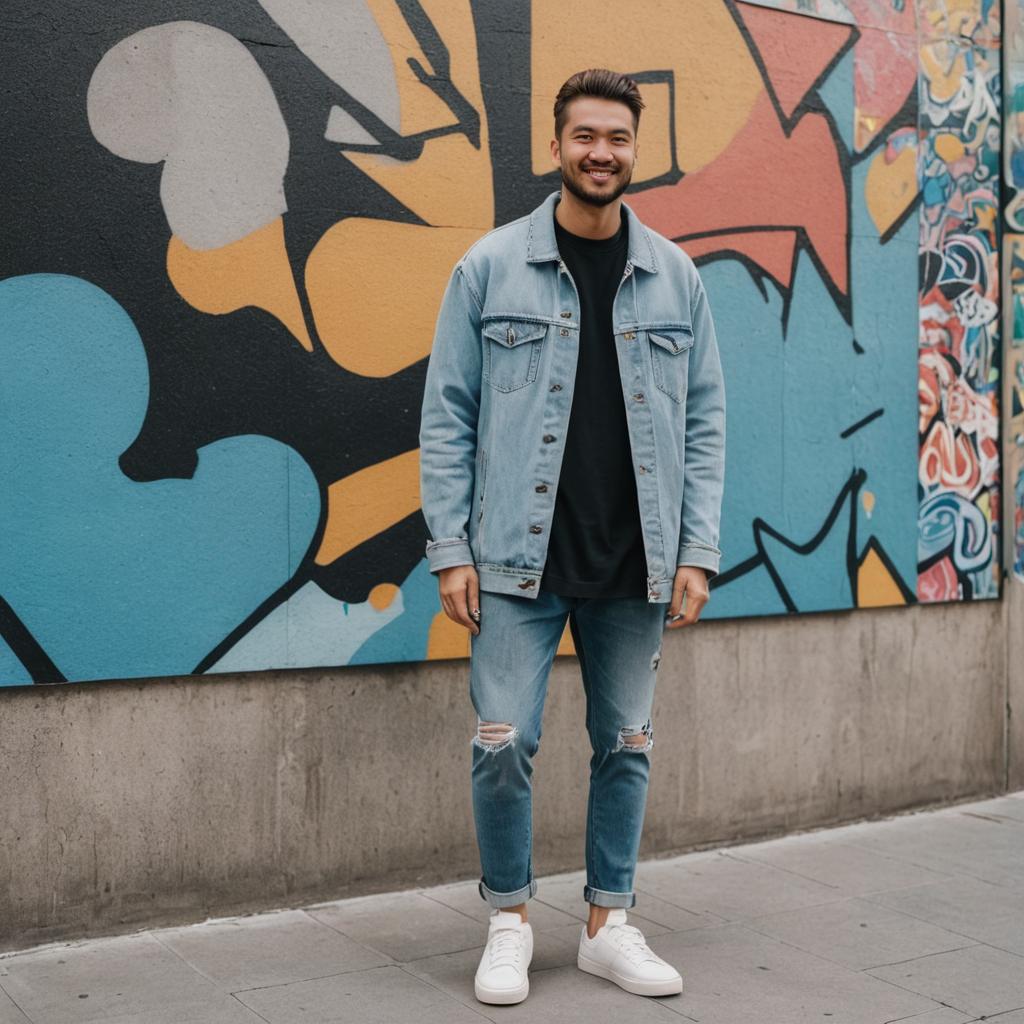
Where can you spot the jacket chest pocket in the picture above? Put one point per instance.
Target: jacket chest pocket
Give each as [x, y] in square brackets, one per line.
[670, 359]
[512, 350]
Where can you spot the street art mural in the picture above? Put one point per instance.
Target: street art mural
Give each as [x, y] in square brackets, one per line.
[228, 228]
[1013, 283]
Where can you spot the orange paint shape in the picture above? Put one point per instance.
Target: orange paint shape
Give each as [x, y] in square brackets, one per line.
[450, 182]
[890, 187]
[876, 587]
[795, 51]
[377, 316]
[770, 250]
[447, 639]
[368, 502]
[254, 271]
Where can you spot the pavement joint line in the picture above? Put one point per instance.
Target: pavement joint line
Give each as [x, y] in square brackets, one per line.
[454, 998]
[923, 956]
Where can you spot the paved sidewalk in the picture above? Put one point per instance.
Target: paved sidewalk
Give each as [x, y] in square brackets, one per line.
[917, 918]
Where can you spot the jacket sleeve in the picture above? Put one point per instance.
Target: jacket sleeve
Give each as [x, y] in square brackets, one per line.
[448, 425]
[704, 468]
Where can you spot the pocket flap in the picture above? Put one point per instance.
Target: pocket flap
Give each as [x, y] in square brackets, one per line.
[514, 332]
[672, 339]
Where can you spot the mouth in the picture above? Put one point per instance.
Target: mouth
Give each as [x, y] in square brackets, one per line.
[597, 175]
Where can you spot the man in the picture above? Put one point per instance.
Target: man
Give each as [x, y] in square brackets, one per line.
[572, 457]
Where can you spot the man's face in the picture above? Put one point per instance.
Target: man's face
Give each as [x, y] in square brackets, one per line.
[597, 149]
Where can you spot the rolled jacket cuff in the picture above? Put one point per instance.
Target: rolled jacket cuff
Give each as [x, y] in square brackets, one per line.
[444, 554]
[701, 555]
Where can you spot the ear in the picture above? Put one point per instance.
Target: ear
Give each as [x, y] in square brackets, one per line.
[556, 153]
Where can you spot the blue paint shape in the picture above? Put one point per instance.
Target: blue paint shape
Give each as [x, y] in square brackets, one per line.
[116, 578]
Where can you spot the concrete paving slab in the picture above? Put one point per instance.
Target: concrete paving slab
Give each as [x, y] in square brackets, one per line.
[731, 973]
[954, 841]
[979, 980]
[1013, 1017]
[944, 1015]
[858, 934]
[727, 888]
[1009, 806]
[380, 995]
[268, 949]
[983, 912]
[115, 980]
[405, 926]
[9, 1012]
[850, 870]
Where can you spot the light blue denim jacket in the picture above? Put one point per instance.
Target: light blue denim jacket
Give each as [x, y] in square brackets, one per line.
[499, 390]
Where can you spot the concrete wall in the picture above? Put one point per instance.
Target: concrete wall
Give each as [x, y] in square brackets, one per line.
[134, 803]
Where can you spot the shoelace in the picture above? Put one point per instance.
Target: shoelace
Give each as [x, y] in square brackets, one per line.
[630, 941]
[506, 946]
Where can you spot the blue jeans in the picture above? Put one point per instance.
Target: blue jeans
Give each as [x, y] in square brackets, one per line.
[618, 641]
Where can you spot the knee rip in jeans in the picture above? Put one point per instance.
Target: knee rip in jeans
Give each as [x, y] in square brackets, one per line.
[637, 741]
[494, 736]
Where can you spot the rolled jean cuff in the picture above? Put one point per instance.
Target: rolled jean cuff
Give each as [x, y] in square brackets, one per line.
[602, 898]
[508, 899]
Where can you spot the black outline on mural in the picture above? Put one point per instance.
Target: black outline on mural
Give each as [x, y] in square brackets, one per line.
[848, 493]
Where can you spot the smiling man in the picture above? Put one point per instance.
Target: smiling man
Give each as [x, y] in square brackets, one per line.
[572, 457]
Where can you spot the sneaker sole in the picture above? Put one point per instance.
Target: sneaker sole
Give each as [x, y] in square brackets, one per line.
[501, 996]
[638, 988]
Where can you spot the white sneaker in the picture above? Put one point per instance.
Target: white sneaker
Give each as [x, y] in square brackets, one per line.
[501, 976]
[619, 953]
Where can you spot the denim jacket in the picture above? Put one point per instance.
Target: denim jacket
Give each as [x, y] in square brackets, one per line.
[499, 389]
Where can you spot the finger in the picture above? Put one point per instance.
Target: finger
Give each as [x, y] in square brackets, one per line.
[676, 606]
[461, 615]
[473, 592]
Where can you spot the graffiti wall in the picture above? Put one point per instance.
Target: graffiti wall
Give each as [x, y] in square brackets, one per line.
[1013, 283]
[227, 228]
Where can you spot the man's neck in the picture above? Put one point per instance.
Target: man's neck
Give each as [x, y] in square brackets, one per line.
[588, 221]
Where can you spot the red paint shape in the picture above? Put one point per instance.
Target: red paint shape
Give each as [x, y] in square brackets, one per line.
[770, 250]
[795, 50]
[884, 74]
[939, 583]
[763, 178]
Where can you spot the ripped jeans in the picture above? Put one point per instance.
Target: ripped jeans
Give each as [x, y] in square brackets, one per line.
[618, 641]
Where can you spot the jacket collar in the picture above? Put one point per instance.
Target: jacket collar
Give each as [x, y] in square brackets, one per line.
[542, 246]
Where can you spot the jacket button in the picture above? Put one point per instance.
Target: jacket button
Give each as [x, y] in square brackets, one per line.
[639, 396]
[535, 529]
[541, 488]
[556, 387]
[564, 332]
[643, 469]
[548, 438]
[629, 335]
[566, 314]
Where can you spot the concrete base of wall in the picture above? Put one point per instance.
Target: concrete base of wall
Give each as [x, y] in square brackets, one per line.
[143, 804]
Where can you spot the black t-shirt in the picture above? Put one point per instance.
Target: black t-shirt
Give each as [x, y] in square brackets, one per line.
[596, 547]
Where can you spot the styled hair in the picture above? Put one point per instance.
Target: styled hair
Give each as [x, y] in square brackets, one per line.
[603, 84]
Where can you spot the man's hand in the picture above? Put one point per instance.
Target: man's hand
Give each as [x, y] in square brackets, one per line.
[692, 581]
[460, 595]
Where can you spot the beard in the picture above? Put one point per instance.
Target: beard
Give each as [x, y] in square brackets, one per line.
[576, 184]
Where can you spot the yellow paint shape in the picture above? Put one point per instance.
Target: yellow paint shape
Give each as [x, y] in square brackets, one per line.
[383, 595]
[376, 316]
[948, 147]
[368, 502]
[890, 188]
[447, 639]
[450, 183]
[254, 271]
[566, 645]
[699, 43]
[875, 586]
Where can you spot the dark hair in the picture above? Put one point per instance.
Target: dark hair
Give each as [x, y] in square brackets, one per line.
[603, 84]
